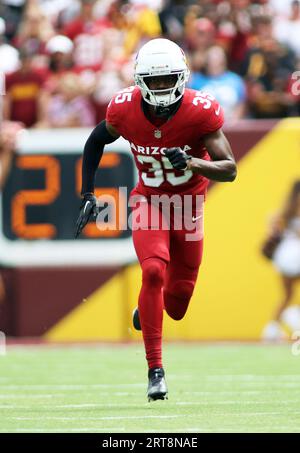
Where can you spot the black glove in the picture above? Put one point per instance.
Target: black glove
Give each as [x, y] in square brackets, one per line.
[88, 208]
[178, 158]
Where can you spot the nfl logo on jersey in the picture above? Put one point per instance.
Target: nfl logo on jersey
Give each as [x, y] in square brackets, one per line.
[157, 133]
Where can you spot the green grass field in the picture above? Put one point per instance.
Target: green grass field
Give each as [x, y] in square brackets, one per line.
[212, 388]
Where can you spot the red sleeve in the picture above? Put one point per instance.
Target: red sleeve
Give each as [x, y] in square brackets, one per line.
[114, 114]
[120, 106]
[213, 118]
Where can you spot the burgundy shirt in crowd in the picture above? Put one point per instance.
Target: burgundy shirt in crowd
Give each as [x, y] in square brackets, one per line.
[23, 90]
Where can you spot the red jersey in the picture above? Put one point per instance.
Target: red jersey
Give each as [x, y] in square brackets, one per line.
[24, 90]
[199, 114]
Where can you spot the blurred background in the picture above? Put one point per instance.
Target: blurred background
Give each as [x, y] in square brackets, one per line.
[62, 61]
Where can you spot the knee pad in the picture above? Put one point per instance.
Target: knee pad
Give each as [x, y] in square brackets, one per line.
[153, 272]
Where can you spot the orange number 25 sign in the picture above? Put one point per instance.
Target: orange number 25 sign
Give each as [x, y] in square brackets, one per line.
[45, 196]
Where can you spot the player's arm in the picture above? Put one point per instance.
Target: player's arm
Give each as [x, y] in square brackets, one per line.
[8, 144]
[222, 166]
[102, 134]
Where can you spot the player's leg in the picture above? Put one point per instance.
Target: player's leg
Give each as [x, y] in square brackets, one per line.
[150, 307]
[181, 275]
[288, 284]
[289, 315]
[286, 260]
[152, 249]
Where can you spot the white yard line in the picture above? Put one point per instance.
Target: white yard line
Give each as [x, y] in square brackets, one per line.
[236, 392]
[26, 396]
[198, 429]
[139, 417]
[237, 377]
[63, 430]
[212, 393]
[146, 405]
[250, 377]
[139, 405]
[203, 430]
[241, 402]
[117, 417]
[66, 386]
[3, 387]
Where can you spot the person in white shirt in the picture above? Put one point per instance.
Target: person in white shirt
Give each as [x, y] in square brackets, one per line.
[9, 56]
[8, 135]
[286, 29]
[286, 260]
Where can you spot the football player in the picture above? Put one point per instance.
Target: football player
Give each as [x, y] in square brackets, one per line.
[178, 145]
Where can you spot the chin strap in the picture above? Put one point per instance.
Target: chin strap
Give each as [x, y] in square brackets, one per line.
[162, 111]
[166, 111]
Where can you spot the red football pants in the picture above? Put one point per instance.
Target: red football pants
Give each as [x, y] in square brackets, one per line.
[170, 264]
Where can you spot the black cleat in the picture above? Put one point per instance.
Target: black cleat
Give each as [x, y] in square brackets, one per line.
[157, 387]
[136, 319]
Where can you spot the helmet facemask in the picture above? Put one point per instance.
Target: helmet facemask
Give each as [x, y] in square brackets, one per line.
[163, 97]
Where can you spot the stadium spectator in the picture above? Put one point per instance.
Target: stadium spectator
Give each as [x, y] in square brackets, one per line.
[172, 15]
[259, 37]
[59, 49]
[200, 34]
[287, 29]
[8, 136]
[128, 26]
[34, 31]
[59, 12]
[9, 56]
[23, 90]
[142, 24]
[225, 85]
[108, 81]
[11, 11]
[279, 8]
[286, 259]
[87, 34]
[267, 68]
[69, 107]
[234, 31]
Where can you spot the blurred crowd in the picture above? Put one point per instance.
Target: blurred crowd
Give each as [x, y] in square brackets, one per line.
[64, 59]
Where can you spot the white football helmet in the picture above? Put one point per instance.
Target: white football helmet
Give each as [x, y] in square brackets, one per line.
[160, 57]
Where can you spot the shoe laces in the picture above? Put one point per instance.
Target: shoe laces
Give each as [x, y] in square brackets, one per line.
[156, 374]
